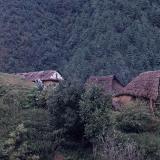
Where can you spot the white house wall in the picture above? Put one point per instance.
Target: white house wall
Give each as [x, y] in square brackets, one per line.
[56, 75]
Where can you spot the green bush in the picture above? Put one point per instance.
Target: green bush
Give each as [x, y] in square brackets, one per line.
[96, 113]
[63, 104]
[149, 143]
[137, 119]
[139, 124]
[113, 149]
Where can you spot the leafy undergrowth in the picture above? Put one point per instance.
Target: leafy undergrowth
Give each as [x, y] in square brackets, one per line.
[77, 154]
[138, 123]
[13, 92]
[15, 118]
[32, 128]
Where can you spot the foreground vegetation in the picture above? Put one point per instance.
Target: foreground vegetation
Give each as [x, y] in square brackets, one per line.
[73, 123]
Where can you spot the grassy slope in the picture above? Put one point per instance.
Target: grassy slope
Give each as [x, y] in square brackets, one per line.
[14, 81]
[16, 107]
[13, 90]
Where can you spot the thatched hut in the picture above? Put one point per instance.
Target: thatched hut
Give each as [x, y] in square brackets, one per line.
[48, 77]
[145, 86]
[110, 84]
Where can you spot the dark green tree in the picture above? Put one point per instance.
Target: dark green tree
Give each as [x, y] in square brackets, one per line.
[95, 112]
[63, 104]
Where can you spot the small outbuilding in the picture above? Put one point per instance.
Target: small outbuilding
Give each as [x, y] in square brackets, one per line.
[146, 86]
[110, 84]
[48, 78]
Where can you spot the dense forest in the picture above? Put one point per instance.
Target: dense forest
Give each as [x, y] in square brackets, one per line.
[80, 37]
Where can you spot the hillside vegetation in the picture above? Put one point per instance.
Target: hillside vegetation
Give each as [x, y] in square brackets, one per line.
[72, 123]
[12, 81]
[19, 118]
[13, 91]
[80, 37]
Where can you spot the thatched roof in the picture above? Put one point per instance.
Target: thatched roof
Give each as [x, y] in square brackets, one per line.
[51, 75]
[106, 82]
[145, 85]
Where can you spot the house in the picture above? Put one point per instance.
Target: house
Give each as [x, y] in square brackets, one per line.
[145, 86]
[110, 84]
[48, 78]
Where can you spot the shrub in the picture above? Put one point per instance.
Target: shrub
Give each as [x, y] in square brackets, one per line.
[95, 112]
[137, 118]
[63, 104]
[139, 124]
[150, 144]
[112, 150]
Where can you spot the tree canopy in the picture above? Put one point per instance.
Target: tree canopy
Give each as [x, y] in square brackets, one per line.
[80, 38]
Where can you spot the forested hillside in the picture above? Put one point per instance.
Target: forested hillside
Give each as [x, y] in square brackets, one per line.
[80, 37]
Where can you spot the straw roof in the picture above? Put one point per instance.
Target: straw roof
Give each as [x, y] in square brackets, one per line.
[145, 85]
[106, 82]
[42, 75]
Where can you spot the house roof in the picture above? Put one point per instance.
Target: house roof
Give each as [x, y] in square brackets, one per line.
[42, 75]
[145, 85]
[105, 81]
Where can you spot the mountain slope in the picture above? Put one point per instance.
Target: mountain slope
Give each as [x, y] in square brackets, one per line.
[80, 37]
